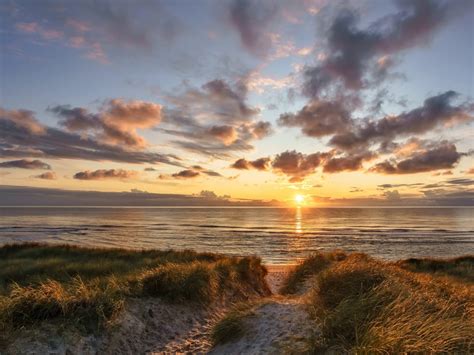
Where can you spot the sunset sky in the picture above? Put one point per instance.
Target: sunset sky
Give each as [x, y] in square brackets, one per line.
[339, 102]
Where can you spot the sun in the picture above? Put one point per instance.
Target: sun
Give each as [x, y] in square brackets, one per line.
[299, 199]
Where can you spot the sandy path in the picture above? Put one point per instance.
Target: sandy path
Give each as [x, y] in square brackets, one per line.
[279, 326]
[277, 275]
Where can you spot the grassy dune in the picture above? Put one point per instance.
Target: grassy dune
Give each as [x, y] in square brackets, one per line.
[368, 306]
[360, 304]
[87, 288]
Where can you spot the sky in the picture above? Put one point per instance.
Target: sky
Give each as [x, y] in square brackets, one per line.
[238, 101]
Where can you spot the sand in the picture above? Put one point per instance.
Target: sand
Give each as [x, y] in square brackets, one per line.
[279, 326]
[277, 275]
[151, 326]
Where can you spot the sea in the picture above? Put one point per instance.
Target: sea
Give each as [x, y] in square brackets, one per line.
[277, 235]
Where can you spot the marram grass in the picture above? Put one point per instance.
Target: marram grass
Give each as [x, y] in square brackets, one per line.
[87, 288]
[366, 306]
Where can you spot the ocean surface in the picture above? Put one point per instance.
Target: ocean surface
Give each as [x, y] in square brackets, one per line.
[278, 235]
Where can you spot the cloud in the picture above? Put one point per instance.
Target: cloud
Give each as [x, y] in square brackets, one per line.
[19, 141]
[95, 26]
[392, 195]
[297, 165]
[251, 21]
[460, 182]
[22, 119]
[226, 134]
[443, 156]
[261, 129]
[436, 111]
[35, 28]
[32, 196]
[116, 122]
[186, 174]
[205, 171]
[25, 164]
[318, 118]
[49, 175]
[213, 120]
[353, 56]
[212, 196]
[351, 162]
[258, 164]
[105, 174]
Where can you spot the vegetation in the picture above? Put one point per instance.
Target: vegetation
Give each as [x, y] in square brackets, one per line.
[232, 325]
[309, 267]
[89, 287]
[461, 268]
[367, 306]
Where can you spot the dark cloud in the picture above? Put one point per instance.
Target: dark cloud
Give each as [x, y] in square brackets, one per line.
[297, 165]
[318, 118]
[258, 164]
[49, 175]
[25, 164]
[356, 57]
[105, 174]
[116, 122]
[261, 129]
[30, 196]
[443, 156]
[206, 171]
[392, 195]
[436, 111]
[251, 20]
[186, 174]
[461, 182]
[391, 186]
[19, 141]
[150, 169]
[351, 162]
[211, 195]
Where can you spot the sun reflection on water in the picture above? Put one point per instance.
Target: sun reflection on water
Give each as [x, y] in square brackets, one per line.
[298, 220]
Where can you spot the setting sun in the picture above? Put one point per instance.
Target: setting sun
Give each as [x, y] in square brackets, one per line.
[299, 199]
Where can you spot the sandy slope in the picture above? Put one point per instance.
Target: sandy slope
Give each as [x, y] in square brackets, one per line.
[151, 326]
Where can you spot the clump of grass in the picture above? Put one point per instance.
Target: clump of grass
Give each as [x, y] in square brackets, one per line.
[192, 282]
[461, 268]
[232, 326]
[27, 264]
[308, 267]
[89, 305]
[204, 282]
[368, 306]
[87, 288]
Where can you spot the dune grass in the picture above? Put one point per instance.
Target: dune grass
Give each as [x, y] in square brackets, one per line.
[367, 306]
[232, 325]
[30, 264]
[308, 267]
[87, 288]
[461, 268]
